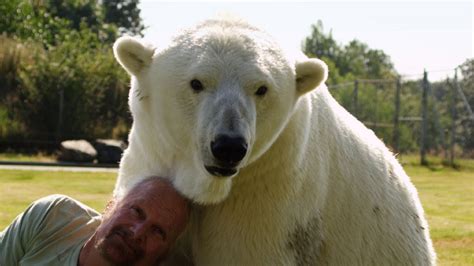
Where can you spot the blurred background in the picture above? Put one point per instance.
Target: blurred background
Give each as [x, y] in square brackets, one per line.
[404, 68]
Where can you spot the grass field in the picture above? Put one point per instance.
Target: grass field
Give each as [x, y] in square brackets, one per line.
[19, 188]
[447, 196]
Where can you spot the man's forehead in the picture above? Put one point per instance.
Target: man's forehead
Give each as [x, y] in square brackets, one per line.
[159, 199]
[151, 186]
[154, 190]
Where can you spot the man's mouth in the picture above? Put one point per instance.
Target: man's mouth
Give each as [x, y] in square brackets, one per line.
[220, 172]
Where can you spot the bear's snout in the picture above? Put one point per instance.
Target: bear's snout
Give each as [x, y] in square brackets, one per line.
[229, 150]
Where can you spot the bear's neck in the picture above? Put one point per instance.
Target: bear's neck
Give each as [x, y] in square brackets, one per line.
[155, 157]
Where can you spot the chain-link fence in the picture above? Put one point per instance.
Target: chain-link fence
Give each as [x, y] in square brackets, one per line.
[413, 116]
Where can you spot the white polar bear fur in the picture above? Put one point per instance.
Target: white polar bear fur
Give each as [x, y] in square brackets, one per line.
[316, 186]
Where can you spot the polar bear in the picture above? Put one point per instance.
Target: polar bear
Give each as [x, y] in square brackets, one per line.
[281, 174]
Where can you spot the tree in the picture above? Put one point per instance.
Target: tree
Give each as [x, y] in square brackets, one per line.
[348, 62]
[76, 11]
[466, 123]
[467, 82]
[125, 14]
[324, 47]
[52, 21]
[351, 62]
[31, 21]
[320, 44]
[8, 9]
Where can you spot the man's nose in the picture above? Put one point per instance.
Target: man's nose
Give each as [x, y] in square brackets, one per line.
[139, 230]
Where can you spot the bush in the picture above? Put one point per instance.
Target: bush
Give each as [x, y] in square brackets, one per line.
[11, 55]
[72, 90]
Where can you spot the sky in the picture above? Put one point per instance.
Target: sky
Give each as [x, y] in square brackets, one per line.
[417, 35]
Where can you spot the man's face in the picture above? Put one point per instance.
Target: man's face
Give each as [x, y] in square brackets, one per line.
[141, 227]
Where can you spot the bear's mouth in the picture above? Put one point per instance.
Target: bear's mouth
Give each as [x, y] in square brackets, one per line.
[220, 172]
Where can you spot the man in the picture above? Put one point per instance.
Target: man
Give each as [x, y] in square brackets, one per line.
[138, 229]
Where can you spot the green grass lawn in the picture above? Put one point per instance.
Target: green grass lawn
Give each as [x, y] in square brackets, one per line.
[19, 188]
[447, 196]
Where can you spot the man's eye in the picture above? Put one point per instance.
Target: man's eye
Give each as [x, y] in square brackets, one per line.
[160, 232]
[135, 211]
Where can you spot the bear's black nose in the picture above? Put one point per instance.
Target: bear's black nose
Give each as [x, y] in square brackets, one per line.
[229, 150]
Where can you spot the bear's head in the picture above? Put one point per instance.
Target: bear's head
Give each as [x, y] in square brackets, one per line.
[213, 100]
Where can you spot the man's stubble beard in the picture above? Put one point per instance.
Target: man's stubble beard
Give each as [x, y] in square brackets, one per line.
[106, 242]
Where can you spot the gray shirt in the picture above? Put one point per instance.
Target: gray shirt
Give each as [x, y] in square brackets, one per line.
[51, 231]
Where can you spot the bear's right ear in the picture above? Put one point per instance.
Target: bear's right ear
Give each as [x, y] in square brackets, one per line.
[132, 54]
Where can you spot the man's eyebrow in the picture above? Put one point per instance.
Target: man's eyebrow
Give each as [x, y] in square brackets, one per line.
[141, 212]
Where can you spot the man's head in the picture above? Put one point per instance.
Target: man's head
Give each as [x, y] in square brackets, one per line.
[140, 228]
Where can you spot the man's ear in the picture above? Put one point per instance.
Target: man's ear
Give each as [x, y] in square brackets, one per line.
[133, 55]
[310, 73]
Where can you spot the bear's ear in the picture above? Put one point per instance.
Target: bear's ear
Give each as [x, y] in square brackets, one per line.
[310, 73]
[132, 54]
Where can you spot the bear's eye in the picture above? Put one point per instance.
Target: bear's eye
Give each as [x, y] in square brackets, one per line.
[196, 85]
[261, 90]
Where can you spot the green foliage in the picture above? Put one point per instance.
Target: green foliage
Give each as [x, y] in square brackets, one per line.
[51, 22]
[58, 76]
[9, 17]
[125, 14]
[84, 13]
[347, 62]
[323, 46]
[76, 12]
[28, 21]
[11, 55]
[466, 123]
[410, 107]
[357, 62]
[92, 87]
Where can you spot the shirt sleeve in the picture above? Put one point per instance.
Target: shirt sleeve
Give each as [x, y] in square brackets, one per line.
[16, 239]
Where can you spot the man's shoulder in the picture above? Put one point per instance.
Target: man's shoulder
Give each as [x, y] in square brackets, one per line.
[53, 199]
[49, 232]
[57, 199]
[58, 203]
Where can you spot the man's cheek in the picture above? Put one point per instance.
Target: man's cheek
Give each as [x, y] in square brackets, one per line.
[158, 251]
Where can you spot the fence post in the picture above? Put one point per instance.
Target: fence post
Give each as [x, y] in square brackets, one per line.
[376, 86]
[423, 119]
[396, 118]
[354, 99]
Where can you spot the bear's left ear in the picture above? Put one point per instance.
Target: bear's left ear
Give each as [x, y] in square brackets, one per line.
[310, 73]
[133, 55]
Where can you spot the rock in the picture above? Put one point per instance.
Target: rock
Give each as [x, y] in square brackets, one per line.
[109, 150]
[77, 151]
